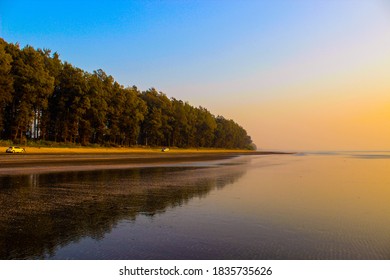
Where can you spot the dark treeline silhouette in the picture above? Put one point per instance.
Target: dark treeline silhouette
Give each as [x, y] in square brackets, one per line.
[43, 98]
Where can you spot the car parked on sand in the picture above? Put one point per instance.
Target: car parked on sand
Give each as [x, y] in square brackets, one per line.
[14, 149]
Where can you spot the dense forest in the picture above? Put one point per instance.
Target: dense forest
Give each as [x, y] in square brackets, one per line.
[43, 98]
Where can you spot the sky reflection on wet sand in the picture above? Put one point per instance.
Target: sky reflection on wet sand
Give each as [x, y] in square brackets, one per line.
[255, 207]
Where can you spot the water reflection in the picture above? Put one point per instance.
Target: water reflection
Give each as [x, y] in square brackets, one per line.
[43, 212]
[311, 206]
[321, 206]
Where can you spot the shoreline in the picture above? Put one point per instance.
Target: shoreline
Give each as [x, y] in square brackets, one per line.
[118, 150]
[59, 160]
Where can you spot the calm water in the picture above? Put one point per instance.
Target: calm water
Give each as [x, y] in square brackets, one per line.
[305, 206]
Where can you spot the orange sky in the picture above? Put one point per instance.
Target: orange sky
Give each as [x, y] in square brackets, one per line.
[324, 84]
[334, 96]
[343, 110]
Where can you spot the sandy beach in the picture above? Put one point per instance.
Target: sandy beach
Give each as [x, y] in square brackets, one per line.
[44, 160]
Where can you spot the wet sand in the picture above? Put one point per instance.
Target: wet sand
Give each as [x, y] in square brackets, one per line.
[311, 206]
[16, 164]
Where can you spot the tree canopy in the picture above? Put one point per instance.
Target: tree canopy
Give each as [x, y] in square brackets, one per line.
[43, 98]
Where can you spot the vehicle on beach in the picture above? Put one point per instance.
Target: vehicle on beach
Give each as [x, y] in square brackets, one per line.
[14, 149]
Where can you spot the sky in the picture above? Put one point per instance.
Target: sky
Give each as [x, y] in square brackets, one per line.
[296, 74]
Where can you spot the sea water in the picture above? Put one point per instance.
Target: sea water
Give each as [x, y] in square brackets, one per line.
[301, 206]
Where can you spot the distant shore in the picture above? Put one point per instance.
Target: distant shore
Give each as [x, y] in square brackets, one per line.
[44, 160]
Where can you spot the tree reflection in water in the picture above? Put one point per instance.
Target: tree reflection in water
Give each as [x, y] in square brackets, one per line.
[43, 212]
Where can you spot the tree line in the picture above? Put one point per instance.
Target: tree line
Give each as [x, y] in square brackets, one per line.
[43, 98]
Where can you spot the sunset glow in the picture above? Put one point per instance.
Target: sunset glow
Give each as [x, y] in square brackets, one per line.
[297, 75]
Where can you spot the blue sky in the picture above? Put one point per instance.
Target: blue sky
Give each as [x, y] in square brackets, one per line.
[236, 58]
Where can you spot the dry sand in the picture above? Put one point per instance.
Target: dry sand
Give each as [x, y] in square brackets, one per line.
[87, 150]
[44, 160]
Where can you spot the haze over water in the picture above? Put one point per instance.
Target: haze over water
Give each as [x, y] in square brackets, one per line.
[304, 206]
